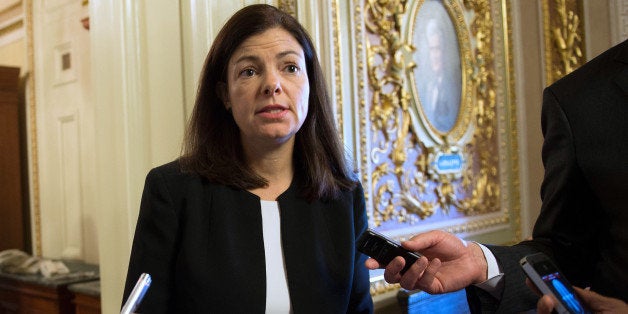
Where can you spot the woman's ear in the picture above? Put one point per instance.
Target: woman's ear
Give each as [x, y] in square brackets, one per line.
[223, 95]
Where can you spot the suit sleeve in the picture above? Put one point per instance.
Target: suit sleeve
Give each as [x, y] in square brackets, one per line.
[561, 175]
[516, 296]
[568, 225]
[361, 301]
[153, 247]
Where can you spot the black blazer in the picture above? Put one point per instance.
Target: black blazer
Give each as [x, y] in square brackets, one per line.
[202, 243]
[583, 222]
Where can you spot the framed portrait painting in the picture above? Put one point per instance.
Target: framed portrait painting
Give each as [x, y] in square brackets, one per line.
[438, 75]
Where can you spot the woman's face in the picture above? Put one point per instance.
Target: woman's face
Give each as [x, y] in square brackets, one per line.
[267, 87]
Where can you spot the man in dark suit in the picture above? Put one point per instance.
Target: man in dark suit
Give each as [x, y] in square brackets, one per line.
[584, 217]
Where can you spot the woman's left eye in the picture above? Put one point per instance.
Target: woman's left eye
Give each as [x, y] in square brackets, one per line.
[292, 68]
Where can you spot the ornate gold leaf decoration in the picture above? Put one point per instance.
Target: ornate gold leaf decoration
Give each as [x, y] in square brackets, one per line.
[338, 75]
[406, 186]
[564, 36]
[483, 181]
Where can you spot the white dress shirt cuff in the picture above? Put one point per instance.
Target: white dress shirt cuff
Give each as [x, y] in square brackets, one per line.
[494, 283]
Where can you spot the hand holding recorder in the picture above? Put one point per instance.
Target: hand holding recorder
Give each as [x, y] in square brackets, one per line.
[447, 264]
[384, 250]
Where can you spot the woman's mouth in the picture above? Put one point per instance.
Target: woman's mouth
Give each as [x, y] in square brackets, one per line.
[273, 111]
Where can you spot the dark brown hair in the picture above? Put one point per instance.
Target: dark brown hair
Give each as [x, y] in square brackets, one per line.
[212, 146]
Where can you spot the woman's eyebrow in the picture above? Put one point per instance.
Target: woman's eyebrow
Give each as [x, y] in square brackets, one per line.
[288, 52]
[252, 58]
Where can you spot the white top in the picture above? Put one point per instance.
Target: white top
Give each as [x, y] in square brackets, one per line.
[277, 296]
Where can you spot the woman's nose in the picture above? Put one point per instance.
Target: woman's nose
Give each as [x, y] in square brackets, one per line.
[272, 85]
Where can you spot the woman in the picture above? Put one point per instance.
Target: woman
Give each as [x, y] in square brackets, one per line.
[261, 212]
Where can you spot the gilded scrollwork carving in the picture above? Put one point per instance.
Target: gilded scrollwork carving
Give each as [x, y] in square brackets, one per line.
[482, 183]
[386, 62]
[406, 184]
[563, 37]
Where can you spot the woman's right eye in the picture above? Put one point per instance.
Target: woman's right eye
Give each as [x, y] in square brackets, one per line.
[248, 72]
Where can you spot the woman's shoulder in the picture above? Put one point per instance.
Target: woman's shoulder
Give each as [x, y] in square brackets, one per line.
[353, 193]
[170, 169]
[181, 181]
[173, 174]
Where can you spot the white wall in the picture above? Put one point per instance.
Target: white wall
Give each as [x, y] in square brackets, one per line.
[138, 95]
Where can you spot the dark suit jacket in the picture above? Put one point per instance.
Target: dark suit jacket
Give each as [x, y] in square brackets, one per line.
[202, 243]
[583, 222]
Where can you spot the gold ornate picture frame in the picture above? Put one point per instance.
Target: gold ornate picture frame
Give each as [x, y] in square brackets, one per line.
[459, 173]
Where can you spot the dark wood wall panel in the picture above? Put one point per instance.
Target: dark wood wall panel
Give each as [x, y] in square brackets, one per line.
[12, 211]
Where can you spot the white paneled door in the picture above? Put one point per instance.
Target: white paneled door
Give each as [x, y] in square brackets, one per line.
[64, 129]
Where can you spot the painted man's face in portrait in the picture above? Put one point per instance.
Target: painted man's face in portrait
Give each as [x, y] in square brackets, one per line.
[435, 52]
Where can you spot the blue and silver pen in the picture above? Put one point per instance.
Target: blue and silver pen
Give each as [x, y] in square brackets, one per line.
[137, 294]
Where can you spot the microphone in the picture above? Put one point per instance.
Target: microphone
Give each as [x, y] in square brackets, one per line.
[136, 296]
